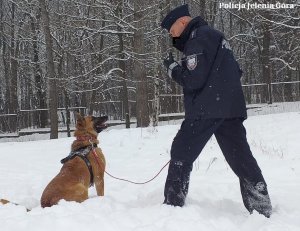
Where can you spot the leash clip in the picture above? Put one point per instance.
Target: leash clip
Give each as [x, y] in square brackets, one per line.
[92, 144]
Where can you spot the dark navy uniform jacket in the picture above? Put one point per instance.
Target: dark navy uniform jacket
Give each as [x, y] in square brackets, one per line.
[209, 74]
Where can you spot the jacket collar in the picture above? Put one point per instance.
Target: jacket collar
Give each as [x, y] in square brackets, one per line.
[193, 24]
[180, 42]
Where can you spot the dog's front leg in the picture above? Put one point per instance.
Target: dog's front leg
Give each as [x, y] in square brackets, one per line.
[99, 184]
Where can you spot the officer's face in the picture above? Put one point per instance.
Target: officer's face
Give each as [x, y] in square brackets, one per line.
[177, 28]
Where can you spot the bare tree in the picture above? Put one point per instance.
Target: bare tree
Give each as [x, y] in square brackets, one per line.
[142, 109]
[108, 57]
[122, 64]
[51, 71]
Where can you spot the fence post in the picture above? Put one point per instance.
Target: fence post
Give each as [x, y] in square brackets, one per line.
[270, 98]
[68, 121]
[127, 120]
[17, 122]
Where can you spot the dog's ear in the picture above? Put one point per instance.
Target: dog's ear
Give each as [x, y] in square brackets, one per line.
[78, 116]
[79, 120]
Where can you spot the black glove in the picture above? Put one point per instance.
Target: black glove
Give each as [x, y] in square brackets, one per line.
[169, 60]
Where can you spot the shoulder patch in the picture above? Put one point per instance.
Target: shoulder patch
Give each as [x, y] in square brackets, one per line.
[191, 62]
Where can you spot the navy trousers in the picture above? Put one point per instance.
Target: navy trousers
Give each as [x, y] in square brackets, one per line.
[231, 137]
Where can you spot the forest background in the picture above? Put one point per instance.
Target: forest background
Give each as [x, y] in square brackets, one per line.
[105, 57]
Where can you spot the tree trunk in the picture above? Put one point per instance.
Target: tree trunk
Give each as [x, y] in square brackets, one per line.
[122, 66]
[51, 72]
[68, 115]
[41, 97]
[14, 53]
[5, 58]
[96, 59]
[157, 69]
[139, 69]
[266, 65]
[288, 90]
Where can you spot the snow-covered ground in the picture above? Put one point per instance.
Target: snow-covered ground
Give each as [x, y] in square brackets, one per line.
[265, 109]
[213, 203]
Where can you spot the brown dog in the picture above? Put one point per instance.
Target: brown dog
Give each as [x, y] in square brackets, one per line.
[84, 165]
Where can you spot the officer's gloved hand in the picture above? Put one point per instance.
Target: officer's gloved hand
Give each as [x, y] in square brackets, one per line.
[169, 60]
[170, 63]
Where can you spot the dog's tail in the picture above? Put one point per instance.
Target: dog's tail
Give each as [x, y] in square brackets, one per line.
[4, 202]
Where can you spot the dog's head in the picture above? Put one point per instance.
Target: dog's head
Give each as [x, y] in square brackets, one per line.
[90, 125]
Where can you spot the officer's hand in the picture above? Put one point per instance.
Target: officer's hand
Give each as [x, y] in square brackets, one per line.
[169, 60]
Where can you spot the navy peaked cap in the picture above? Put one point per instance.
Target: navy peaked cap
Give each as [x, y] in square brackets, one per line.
[173, 15]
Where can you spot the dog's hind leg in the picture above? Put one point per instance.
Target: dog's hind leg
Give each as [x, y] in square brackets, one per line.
[78, 193]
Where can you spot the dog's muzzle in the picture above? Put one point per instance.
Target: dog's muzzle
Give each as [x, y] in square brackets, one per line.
[99, 123]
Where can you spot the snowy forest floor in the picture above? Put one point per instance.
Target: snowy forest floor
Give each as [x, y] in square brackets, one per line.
[213, 204]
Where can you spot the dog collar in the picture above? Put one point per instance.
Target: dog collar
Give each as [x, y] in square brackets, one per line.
[84, 138]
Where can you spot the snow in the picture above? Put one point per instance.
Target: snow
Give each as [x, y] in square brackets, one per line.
[214, 202]
[265, 109]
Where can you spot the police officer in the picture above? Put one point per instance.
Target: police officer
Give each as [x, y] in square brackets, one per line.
[214, 104]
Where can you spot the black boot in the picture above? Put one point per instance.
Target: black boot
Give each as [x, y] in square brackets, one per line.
[256, 197]
[177, 183]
